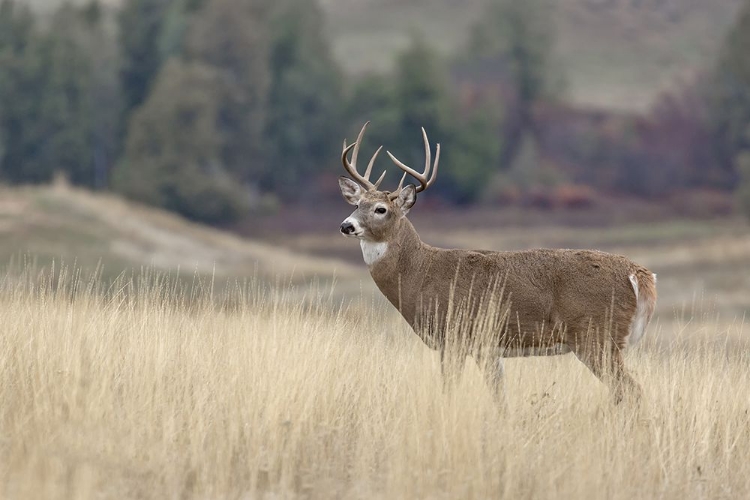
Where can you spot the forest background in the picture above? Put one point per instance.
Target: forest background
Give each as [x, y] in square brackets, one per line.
[224, 110]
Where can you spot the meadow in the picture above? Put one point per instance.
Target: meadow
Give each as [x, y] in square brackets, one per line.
[143, 356]
[240, 378]
[151, 389]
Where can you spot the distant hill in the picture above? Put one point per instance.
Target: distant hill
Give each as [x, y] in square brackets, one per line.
[85, 229]
[614, 53]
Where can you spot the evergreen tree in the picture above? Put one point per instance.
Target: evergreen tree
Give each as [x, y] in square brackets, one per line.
[16, 27]
[474, 153]
[418, 96]
[17, 82]
[140, 26]
[100, 46]
[373, 99]
[232, 37]
[743, 189]
[422, 89]
[422, 99]
[175, 26]
[85, 87]
[47, 112]
[517, 36]
[65, 107]
[173, 155]
[730, 95]
[469, 141]
[304, 117]
[513, 41]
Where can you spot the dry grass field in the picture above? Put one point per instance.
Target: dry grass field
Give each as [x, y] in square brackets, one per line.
[145, 389]
[237, 381]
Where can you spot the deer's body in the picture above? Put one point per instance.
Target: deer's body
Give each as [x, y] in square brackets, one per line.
[555, 296]
[591, 303]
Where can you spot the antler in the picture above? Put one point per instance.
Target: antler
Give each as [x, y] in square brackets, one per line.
[424, 182]
[352, 167]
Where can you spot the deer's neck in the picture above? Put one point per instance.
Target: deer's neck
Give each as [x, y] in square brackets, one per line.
[397, 267]
[373, 252]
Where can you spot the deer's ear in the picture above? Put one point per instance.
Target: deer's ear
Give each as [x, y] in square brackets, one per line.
[406, 198]
[350, 190]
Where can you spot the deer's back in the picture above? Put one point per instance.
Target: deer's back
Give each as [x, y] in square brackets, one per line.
[555, 296]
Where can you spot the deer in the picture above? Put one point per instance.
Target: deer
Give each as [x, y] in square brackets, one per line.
[554, 301]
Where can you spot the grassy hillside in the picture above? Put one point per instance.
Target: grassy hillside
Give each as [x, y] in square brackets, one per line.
[89, 230]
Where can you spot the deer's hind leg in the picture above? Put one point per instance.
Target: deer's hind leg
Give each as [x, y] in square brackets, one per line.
[606, 362]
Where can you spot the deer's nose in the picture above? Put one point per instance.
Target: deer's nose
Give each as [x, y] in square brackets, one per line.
[347, 227]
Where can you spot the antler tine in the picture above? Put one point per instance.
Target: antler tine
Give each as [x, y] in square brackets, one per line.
[401, 183]
[351, 167]
[424, 182]
[427, 154]
[380, 179]
[434, 166]
[355, 153]
[368, 171]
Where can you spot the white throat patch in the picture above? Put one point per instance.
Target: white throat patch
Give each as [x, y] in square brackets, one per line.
[372, 252]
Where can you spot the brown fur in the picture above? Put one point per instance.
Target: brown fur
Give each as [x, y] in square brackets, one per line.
[496, 304]
[579, 301]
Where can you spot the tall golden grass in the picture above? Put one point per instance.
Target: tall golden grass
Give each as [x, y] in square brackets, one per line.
[150, 389]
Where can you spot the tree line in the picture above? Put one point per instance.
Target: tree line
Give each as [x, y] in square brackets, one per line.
[219, 108]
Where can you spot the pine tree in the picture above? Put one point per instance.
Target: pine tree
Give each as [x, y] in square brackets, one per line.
[743, 189]
[417, 96]
[519, 37]
[474, 154]
[421, 97]
[46, 107]
[730, 95]
[173, 155]
[232, 37]
[17, 47]
[65, 107]
[304, 117]
[513, 41]
[140, 25]
[100, 46]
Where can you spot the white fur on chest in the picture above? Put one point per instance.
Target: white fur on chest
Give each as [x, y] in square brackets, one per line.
[373, 252]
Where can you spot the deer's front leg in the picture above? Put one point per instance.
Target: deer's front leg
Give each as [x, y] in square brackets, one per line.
[493, 368]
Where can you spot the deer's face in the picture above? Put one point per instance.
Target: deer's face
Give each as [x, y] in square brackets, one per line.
[376, 216]
[378, 213]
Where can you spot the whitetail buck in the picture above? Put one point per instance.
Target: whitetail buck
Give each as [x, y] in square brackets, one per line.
[587, 302]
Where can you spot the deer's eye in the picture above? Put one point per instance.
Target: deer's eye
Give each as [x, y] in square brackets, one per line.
[380, 210]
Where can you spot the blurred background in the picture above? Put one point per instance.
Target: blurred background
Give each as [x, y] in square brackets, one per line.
[205, 135]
